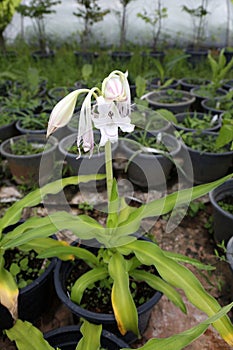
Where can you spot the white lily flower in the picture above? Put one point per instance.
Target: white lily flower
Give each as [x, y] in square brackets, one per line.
[63, 111]
[85, 128]
[113, 110]
[108, 118]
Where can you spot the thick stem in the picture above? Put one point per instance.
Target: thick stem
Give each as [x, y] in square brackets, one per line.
[109, 172]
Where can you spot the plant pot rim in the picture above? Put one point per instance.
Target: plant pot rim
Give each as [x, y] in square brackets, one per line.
[125, 146]
[217, 194]
[194, 92]
[70, 140]
[28, 131]
[189, 98]
[41, 138]
[76, 329]
[201, 115]
[220, 154]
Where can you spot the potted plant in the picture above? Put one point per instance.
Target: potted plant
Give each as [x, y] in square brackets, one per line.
[176, 101]
[192, 121]
[218, 105]
[120, 252]
[163, 71]
[37, 11]
[220, 68]
[221, 199]
[155, 21]
[24, 154]
[90, 12]
[209, 161]
[191, 82]
[198, 16]
[33, 124]
[150, 157]
[32, 278]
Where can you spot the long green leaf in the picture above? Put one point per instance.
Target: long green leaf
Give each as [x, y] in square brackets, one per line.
[165, 205]
[8, 290]
[180, 277]
[87, 279]
[181, 340]
[123, 304]
[82, 226]
[91, 336]
[78, 252]
[185, 259]
[27, 337]
[13, 214]
[157, 283]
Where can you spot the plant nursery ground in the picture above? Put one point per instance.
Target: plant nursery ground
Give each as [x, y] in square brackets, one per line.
[192, 237]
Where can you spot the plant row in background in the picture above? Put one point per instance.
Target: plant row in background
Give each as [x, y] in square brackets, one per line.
[91, 12]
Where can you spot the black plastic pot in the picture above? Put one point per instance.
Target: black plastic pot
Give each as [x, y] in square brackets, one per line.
[83, 165]
[188, 83]
[214, 105]
[209, 166]
[196, 56]
[148, 170]
[121, 56]
[197, 106]
[227, 84]
[228, 55]
[7, 131]
[66, 338]
[30, 169]
[157, 100]
[40, 55]
[222, 220]
[62, 271]
[158, 55]
[181, 117]
[24, 131]
[60, 133]
[34, 299]
[156, 83]
[85, 56]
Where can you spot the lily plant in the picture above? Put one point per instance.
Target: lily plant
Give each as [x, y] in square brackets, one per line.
[121, 253]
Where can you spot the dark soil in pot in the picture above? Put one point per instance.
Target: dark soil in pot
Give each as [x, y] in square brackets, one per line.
[176, 101]
[35, 280]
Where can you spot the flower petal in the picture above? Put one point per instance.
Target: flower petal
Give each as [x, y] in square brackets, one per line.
[62, 112]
